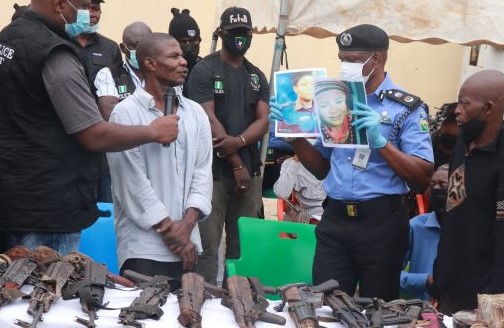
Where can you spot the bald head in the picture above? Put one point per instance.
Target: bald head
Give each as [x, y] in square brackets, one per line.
[134, 32]
[486, 86]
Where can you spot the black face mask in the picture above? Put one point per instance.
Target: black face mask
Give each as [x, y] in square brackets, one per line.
[437, 202]
[447, 141]
[472, 129]
[236, 42]
[190, 53]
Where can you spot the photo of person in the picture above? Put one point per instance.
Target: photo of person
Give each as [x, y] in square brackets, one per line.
[333, 102]
[293, 106]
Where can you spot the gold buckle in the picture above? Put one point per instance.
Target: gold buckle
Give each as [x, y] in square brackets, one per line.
[351, 210]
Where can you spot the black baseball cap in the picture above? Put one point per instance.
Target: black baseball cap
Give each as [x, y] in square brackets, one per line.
[363, 37]
[235, 17]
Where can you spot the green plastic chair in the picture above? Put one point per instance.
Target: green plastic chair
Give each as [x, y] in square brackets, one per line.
[276, 252]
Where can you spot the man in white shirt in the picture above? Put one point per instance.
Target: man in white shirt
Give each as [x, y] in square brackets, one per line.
[114, 84]
[160, 193]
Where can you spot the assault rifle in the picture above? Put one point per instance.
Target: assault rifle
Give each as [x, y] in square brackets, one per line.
[23, 270]
[404, 313]
[90, 289]
[246, 298]
[192, 295]
[303, 299]
[345, 310]
[154, 293]
[48, 289]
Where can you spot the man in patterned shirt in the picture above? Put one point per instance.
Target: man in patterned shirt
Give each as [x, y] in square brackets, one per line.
[470, 254]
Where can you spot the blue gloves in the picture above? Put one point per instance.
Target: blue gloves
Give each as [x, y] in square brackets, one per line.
[368, 118]
[280, 110]
[285, 111]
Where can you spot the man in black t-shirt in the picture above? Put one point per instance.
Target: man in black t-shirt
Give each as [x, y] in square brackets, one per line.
[471, 248]
[235, 95]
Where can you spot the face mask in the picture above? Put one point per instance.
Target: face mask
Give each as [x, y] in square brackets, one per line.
[191, 52]
[353, 71]
[236, 42]
[81, 23]
[132, 60]
[437, 202]
[472, 129]
[447, 141]
[92, 29]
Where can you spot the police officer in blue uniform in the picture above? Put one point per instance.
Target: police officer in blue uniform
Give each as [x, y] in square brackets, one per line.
[363, 235]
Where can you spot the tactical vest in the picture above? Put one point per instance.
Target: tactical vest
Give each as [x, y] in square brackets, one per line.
[123, 81]
[47, 179]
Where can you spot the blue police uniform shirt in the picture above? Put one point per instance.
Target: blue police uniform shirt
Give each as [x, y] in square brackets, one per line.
[422, 251]
[346, 182]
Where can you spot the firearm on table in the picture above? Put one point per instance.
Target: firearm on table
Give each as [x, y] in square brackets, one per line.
[90, 289]
[404, 313]
[302, 300]
[48, 289]
[346, 310]
[191, 296]
[26, 269]
[246, 298]
[154, 293]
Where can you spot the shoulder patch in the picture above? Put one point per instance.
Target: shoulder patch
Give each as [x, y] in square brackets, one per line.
[402, 97]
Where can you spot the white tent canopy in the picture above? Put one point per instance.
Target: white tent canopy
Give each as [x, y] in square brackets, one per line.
[465, 22]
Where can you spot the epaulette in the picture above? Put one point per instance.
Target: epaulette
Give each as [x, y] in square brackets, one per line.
[404, 98]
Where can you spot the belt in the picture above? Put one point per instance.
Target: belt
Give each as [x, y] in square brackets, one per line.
[352, 209]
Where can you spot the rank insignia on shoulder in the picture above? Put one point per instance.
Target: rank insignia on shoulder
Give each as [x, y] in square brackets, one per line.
[402, 97]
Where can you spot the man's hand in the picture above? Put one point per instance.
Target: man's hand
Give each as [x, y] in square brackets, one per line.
[278, 109]
[242, 179]
[370, 120]
[165, 129]
[226, 145]
[189, 256]
[176, 234]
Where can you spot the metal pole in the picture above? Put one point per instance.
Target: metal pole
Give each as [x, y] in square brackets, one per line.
[215, 37]
[283, 19]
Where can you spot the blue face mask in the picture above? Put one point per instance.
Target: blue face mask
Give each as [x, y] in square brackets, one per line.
[92, 29]
[80, 25]
[132, 60]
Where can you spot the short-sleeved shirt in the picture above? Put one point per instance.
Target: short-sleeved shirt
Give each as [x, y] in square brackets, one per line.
[106, 86]
[66, 85]
[236, 92]
[346, 182]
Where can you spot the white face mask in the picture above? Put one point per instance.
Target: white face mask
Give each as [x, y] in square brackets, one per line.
[353, 71]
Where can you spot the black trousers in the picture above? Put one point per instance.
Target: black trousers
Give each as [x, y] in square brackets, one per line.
[153, 268]
[363, 243]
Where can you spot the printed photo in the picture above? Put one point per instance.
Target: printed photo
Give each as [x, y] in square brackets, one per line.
[294, 94]
[334, 99]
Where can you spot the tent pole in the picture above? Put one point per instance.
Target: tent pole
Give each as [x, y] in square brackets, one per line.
[283, 19]
[215, 37]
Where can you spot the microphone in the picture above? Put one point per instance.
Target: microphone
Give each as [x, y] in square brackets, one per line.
[169, 96]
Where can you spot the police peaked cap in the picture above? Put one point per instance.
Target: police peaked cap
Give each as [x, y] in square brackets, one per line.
[363, 37]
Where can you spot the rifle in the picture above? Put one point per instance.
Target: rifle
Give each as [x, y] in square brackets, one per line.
[90, 289]
[148, 304]
[48, 289]
[345, 310]
[404, 313]
[23, 270]
[192, 295]
[303, 299]
[247, 300]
